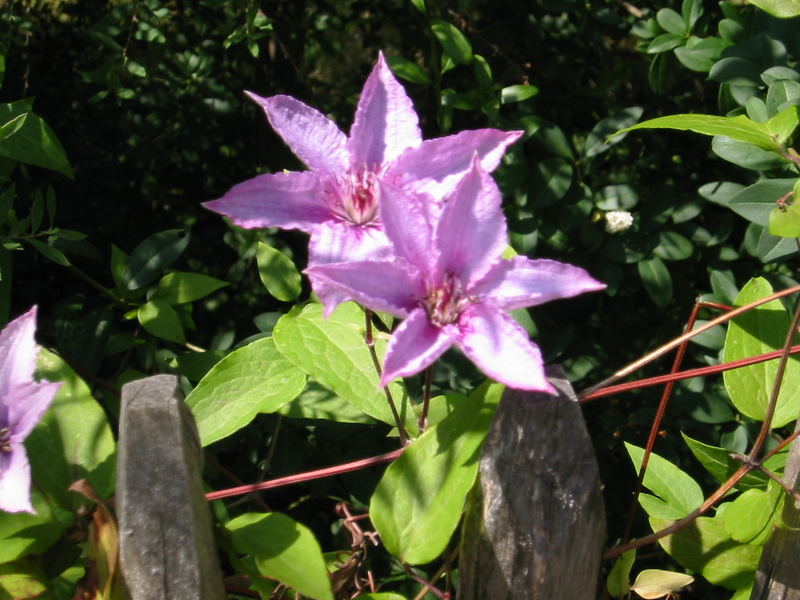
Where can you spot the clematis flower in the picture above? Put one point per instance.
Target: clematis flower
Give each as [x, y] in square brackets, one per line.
[452, 287]
[337, 200]
[23, 401]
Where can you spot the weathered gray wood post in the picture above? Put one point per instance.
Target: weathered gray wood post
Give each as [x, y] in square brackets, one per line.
[535, 526]
[778, 575]
[167, 548]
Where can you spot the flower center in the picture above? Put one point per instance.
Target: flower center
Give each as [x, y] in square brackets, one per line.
[354, 197]
[445, 303]
[5, 439]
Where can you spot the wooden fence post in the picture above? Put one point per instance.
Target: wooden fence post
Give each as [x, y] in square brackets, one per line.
[778, 575]
[535, 524]
[167, 548]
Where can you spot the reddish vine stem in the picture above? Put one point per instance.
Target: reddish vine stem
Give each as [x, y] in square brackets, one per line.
[662, 409]
[688, 374]
[370, 341]
[307, 476]
[661, 350]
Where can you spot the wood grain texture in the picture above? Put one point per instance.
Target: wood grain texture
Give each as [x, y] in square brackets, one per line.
[778, 575]
[167, 548]
[535, 524]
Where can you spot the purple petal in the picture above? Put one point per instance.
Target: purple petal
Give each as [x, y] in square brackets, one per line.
[436, 166]
[381, 286]
[385, 123]
[471, 233]
[313, 137]
[407, 224]
[26, 404]
[522, 282]
[286, 200]
[18, 352]
[340, 241]
[414, 346]
[15, 480]
[501, 348]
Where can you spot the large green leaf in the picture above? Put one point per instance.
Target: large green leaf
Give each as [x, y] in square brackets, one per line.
[283, 549]
[779, 8]
[24, 533]
[332, 351]
[73, 441]
[418, 502]
[721, 465]
[251, 380]
[738, 128]
[678, 494]
[656, 279]
[180, 287]
[705, 546]
[277, 273]
[453, 42]
[152, 256]
[760, 330]
[749, 518]
[756, 202]
[160, 319]
[27, 138]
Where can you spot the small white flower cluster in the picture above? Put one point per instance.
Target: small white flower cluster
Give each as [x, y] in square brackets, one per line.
[618, 220]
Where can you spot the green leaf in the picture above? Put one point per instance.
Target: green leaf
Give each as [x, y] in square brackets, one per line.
[664, 43]
[152, 256]
[382, 596]
[248, 381]
[671, 21]
[784, 9]
[317, 402]
[277, 273]
[771, 247]
[73, 440]
[785, 221]
[453, 42]
[745, 155]
[24, 533]
[762, 329]
[700, 54]
[619, 578]
[756, 202]
[783, 124]
[548, 136]
[283, 549]
[674, 488]
[673, 246]
[160, 319]
[721, 465]
[552, 179]
[517, 93]
[739, 128]
[119, 260]
[691, 11]
[180, 287]
[27, 138]
[657, 280]
[600, 137]
[418, 502]
[341, 359]
[49, 252]
[749, 518]
[24, 580]
[655, 583]
[706, 547]
[407, 70]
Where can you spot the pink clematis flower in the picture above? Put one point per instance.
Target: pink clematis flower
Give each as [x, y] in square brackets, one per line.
[337, 200]
[451, 285]
[23, 401]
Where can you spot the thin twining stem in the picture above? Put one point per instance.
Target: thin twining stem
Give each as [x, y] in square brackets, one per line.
[307, 476]
[370, 341]
[660, 351]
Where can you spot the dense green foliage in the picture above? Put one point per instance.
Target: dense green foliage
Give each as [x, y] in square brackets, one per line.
[119, 117]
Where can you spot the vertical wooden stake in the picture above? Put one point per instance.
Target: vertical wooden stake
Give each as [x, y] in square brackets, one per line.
[167, 549]
[778, 575]
[535, 525]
